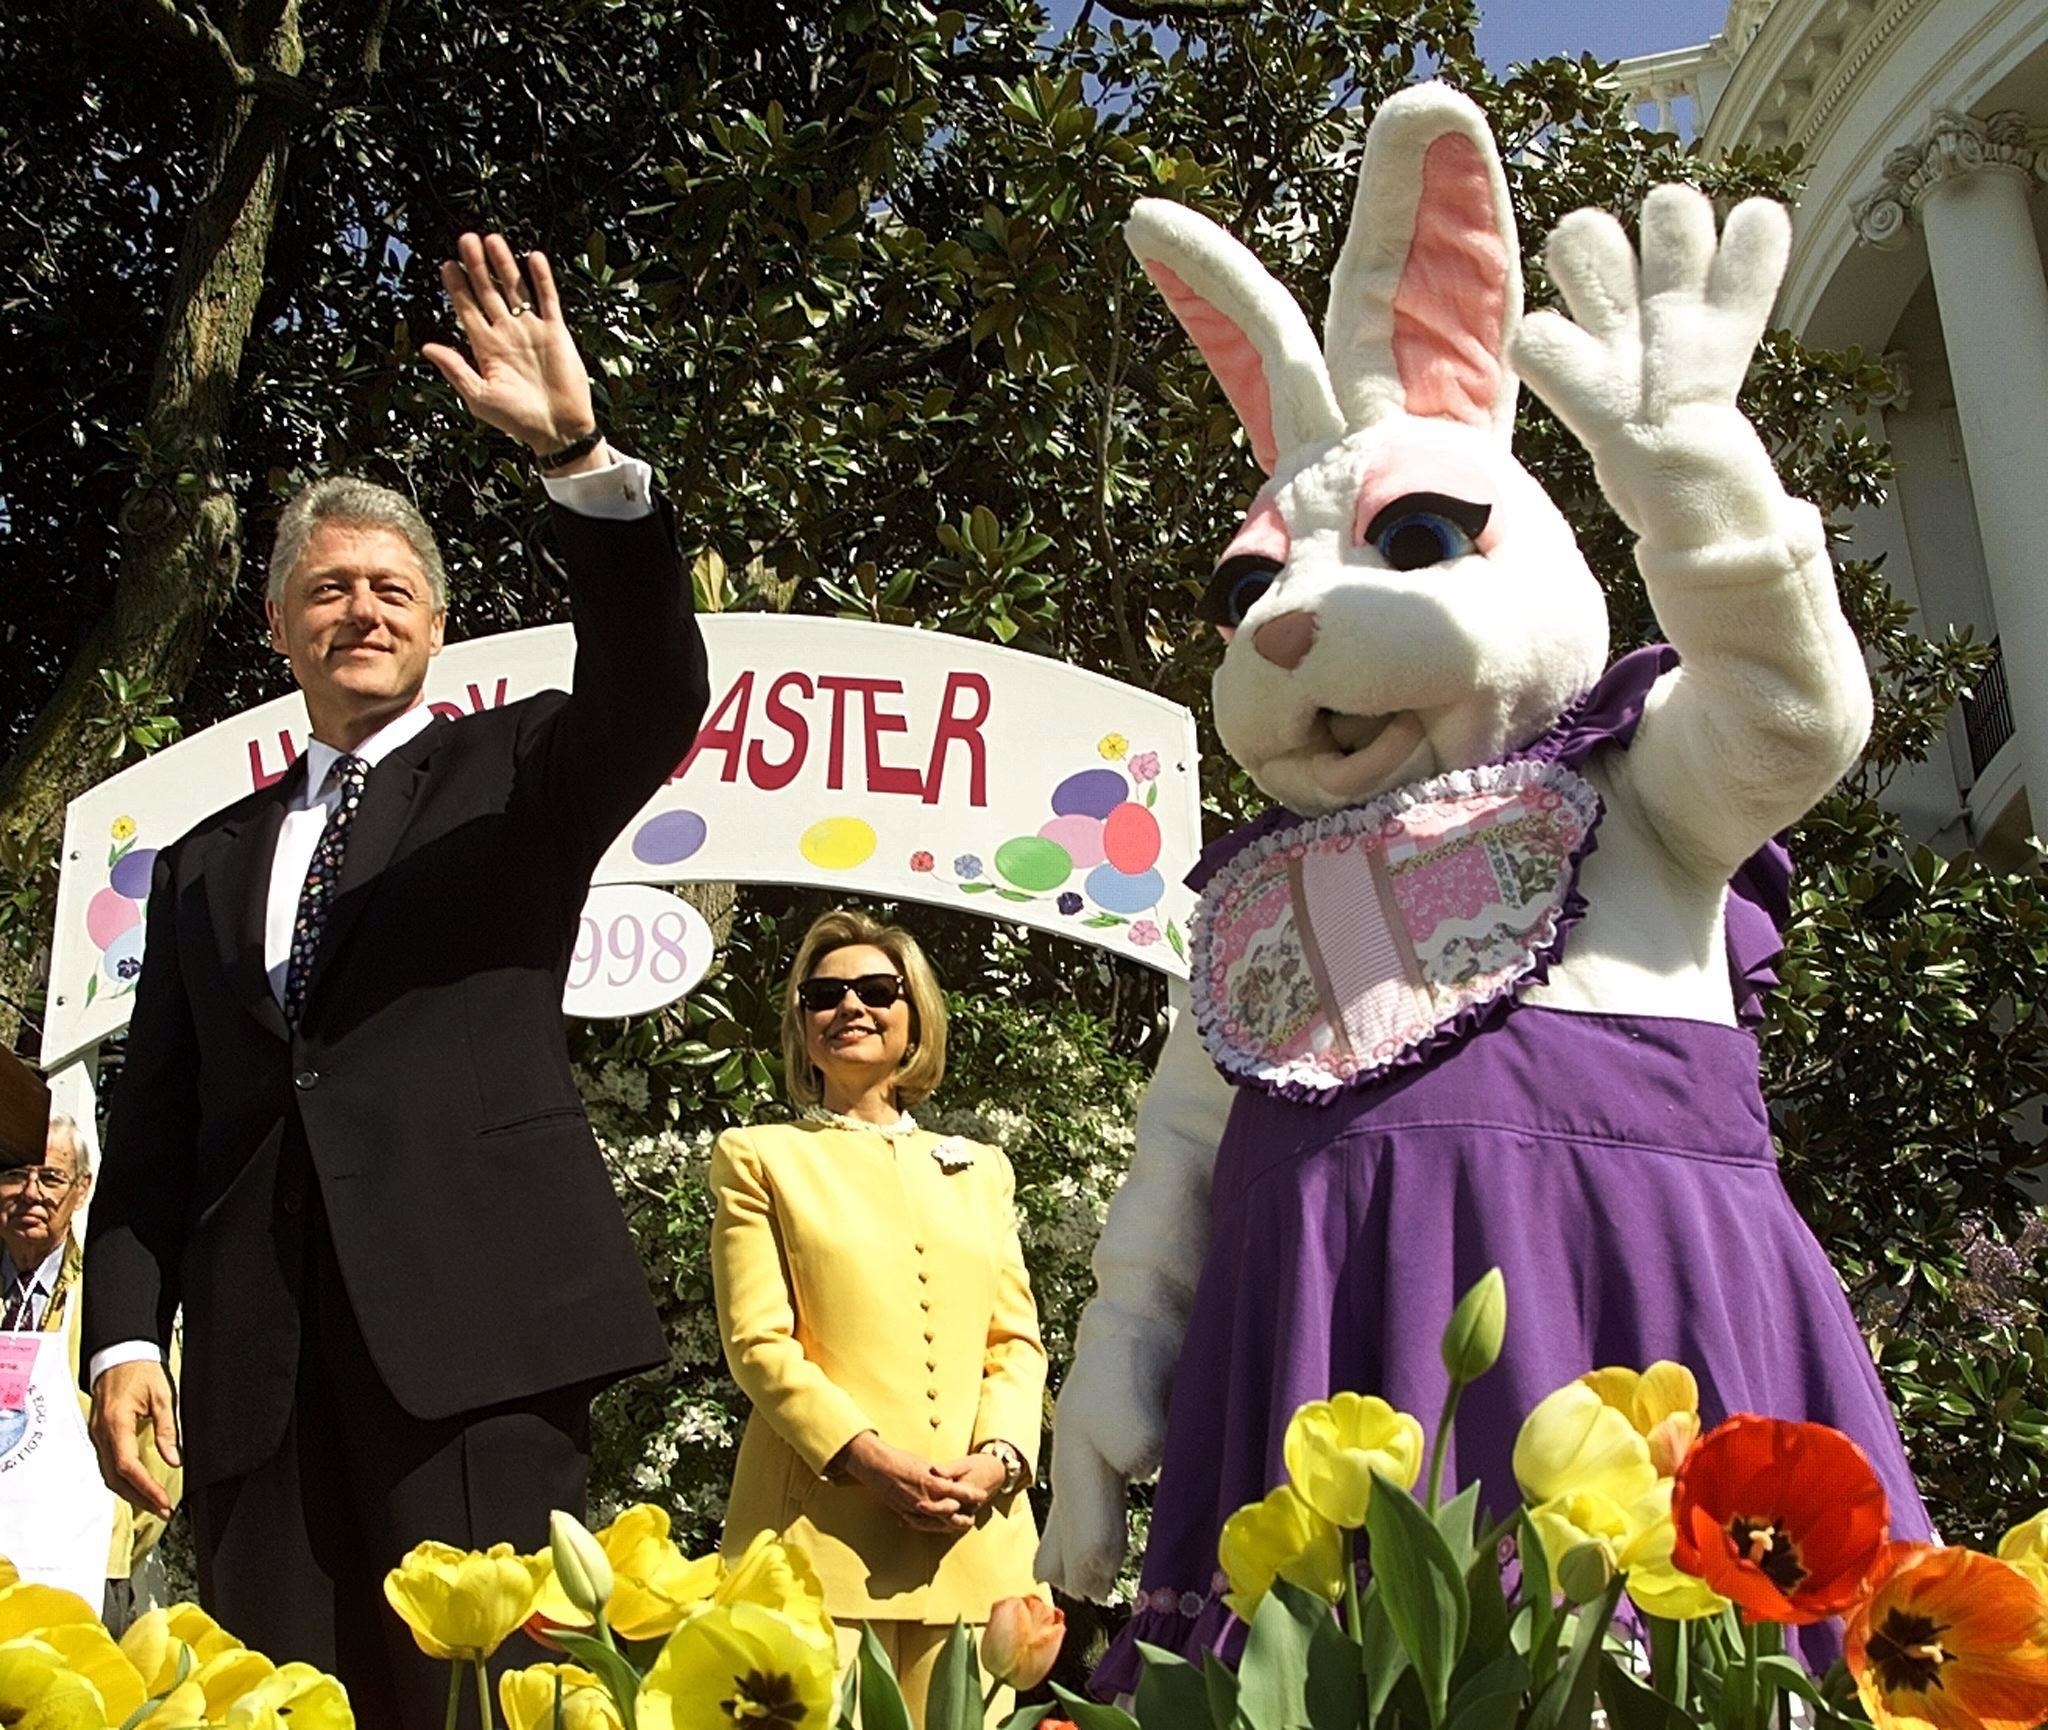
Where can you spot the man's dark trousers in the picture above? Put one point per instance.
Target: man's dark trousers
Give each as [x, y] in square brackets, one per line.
[388, 1225]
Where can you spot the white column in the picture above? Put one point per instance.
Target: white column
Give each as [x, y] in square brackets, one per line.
[1969, 182]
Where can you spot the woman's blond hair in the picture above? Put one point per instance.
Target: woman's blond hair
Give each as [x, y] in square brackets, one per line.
[924, 1064]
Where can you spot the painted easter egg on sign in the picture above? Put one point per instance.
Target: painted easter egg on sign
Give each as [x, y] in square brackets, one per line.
[108, 914]
[837, 843]
[1091, 793]
[123, 959]
[1125, 892]
[131, 873]
[1080, 837]
[1033, 863]
[1130, 839]
[669, 838]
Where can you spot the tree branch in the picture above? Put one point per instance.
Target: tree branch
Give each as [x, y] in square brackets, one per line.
[203, 35]
[1171, 11]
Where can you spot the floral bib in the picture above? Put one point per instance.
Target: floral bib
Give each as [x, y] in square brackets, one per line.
[1328, 951]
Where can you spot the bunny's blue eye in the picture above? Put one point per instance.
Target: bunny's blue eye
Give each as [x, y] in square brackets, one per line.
[1421, 538]
[1422, 529]
[1236, 587]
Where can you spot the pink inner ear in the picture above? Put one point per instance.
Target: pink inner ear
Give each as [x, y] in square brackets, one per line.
[1230, 355]
[1452, 303]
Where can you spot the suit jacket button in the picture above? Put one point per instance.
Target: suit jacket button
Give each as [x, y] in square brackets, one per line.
[928, 1337]
[931, 1393]
[293, 1203]
[935, 1420]
[306, 1080]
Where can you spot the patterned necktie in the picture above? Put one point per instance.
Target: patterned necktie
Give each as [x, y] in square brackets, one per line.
[20, 1316]
[322, 876]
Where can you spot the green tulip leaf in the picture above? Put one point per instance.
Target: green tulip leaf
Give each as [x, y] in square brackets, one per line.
[953, 1700]
[1456, 1520]
[1092, 1715]
[1566, 1703]
[881, 1701]
[1422, 1586]
[621, 1680]
[1171, 1691]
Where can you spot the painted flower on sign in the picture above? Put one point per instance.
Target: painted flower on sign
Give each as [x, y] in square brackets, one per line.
[1144, 933]
[922, 861]
[1112, 746]
[1144, 766]
[967, 867]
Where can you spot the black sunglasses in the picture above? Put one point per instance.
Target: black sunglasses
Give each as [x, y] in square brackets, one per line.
[875, 990]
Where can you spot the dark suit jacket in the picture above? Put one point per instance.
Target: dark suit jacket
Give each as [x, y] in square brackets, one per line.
[427, 1090]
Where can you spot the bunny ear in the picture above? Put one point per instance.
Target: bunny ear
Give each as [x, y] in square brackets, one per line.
[1428, 289]
[1250, 330]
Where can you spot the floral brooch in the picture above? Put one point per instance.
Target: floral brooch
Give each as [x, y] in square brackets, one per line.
[954, 1153]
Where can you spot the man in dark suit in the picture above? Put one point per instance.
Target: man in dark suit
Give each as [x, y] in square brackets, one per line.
[347, 1141]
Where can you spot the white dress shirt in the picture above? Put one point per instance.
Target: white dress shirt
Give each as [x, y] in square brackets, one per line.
[621, 491]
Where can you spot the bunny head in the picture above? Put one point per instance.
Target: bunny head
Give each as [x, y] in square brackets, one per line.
[1402, 598]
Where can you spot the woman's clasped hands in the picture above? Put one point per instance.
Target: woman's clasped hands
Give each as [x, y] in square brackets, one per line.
[944, 1498]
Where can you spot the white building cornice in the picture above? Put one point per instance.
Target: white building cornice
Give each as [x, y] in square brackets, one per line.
[1954, 144]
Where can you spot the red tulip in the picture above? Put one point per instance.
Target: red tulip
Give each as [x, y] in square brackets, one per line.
[1785, 1519]
[1022, 1640]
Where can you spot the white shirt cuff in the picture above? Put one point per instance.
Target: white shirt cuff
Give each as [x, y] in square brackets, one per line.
[621, 492]
[127, 1352]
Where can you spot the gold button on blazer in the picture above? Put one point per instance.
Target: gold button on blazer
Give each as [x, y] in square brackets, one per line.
[864, 1286]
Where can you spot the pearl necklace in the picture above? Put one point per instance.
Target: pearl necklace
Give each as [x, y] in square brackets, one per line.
[905, 1124]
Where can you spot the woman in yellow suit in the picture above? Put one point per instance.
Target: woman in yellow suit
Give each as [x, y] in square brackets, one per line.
[875, 1310]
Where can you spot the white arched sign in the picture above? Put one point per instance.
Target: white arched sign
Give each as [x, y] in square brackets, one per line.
[871, 758]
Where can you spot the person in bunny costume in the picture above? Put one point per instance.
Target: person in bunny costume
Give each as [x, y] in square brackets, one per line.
[1476, 991]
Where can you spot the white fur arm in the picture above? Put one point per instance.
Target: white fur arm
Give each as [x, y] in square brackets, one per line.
[1772, 703]
[1110, 1423]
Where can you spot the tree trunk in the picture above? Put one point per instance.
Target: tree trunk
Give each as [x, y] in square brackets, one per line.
[180, 529]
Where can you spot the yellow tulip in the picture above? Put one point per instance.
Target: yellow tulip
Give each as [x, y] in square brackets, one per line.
[777, 1577]
[653, 1584]
[90, 1651]
[2026, 1548]
[581, 1568]
[293, 1697]
[154, 1641]
[8, 1572]
[1574, 1441]
[460, 1604]
[27, 1608]
[1281, 1536]
[181, 1709]
[1334, 1446]
[1658, 1586]
[40, 1691]
[1635, 1539]
[1661, 1402]
[741, 1664]
[528, 1699]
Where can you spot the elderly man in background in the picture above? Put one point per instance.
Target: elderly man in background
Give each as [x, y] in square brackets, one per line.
[45, 1176]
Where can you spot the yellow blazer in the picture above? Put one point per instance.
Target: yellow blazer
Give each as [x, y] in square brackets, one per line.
[863, 1286]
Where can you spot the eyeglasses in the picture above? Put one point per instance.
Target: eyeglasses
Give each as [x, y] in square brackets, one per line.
[46, 1180]
[875, 990]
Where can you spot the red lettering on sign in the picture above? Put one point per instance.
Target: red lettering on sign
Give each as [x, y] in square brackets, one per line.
[726, 730]
[771, 777]
[260, 777]
[964, 729]
[835, 757]
[885, 777]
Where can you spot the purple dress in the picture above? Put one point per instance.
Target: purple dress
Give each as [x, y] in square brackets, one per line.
[1618, 1169]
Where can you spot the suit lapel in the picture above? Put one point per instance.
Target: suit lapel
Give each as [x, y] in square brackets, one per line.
[238, 895]
[389, 798]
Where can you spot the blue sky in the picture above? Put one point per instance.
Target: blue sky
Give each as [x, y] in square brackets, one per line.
[1529, 29]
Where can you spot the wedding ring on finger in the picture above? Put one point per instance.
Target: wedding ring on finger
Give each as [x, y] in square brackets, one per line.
[519, 309]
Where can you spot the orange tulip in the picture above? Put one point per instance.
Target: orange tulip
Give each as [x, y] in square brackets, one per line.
[1022, 1640]
[1785, 1519]
[1949, 1640]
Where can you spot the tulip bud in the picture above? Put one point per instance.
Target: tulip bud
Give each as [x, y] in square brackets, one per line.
[581, 1566]
[1021, 1641]
[1584, 1572]
[1471, 1343]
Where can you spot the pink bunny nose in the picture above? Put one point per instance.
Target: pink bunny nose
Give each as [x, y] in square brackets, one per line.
[1286, 641]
